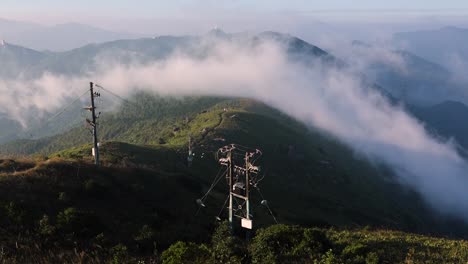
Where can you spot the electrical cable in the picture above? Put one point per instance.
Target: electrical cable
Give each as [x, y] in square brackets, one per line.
[44, 124]
[116, 95]
[224, 206]
[267, 206]
[215, 182]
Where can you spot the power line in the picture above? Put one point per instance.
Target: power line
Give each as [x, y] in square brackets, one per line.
[116, 95]
[93, 122]
[222, 208]
[64, 109]
[68, 106]
[265, 203]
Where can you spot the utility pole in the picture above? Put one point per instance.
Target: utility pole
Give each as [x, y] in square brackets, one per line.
[241, 175]
[231, 187]
[93, 122]
[247, 184]
[247, 193]
[190, 153]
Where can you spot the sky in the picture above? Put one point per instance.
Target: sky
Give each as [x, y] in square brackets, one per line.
[152, 9]
[151, 17]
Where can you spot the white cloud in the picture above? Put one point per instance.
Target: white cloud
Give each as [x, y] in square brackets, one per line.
[334, 101]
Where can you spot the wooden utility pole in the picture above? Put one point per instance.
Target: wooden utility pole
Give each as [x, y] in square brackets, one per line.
[247, 184]
[231, 187]
[93, 123]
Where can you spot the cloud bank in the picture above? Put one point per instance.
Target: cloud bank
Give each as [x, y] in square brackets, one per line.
[333, 100]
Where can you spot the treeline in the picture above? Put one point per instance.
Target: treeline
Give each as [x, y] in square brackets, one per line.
[294, 244]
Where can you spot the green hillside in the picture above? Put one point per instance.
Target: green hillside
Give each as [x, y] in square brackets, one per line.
[310, 178]
[293, 244]
[142, 200]
[66, 211]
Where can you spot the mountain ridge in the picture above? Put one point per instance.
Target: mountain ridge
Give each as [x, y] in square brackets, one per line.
[57, 37]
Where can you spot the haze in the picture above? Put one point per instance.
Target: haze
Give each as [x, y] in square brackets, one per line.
[364, 20]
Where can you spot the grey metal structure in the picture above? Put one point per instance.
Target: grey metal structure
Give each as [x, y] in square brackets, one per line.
[241, 175]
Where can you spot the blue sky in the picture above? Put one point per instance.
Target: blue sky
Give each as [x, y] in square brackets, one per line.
[195, 16]
[153, 8]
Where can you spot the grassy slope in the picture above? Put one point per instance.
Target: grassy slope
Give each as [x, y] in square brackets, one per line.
[111, 206]
[293, 244]
[331, 186]
[125, 213]
[322, 183]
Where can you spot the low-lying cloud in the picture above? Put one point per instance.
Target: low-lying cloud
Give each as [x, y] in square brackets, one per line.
[333, 100]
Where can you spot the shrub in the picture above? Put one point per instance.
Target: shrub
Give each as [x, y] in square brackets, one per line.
[119, 254]
[282, 243]
[68, 218]
[45, 228]
[93, 188]
[145, 233]
[182, 252]
[76, 221]
[145, 238]
[275, 244]
[328, 258]
[225, 247]
[14, 213]
[63, 197]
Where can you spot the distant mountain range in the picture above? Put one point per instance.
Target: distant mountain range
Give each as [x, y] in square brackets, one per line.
[443, 46]
[24, 63]
[427, 89]
[409, 77]
[448, 119]
[56, 38]
[424, 85]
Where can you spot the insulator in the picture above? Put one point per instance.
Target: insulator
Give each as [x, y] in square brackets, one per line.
[224, 161]
[254, 168]
[200, 203]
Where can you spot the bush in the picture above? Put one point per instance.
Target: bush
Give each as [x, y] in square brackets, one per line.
[145, 233]
[93, 188]
[225, 247]
[145, 238]
[68, 218]
[182, 252]
[14, 213]
[45, 228]
[282, 243]
[76, 221]
[274, 244]
[355, 253]
[63, 197]
[119, 254]
[328, 258]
